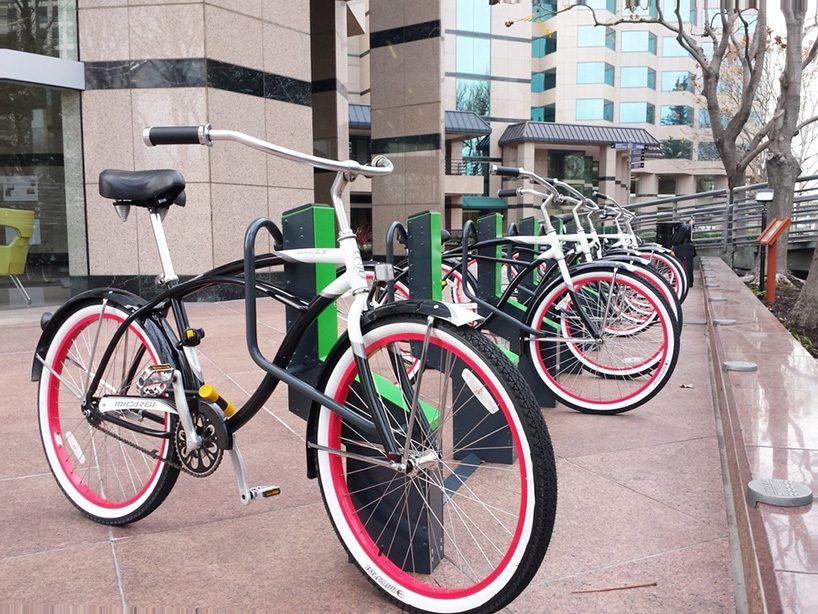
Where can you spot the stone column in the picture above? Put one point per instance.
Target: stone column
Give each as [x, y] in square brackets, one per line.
[330, 103]
[406, 71]
[608, 171]
[522, 207]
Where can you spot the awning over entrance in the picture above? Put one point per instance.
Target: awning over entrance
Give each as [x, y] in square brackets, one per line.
[576, 134]
[456, 122]
[483, 203]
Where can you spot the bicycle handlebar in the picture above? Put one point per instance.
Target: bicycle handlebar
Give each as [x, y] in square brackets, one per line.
[505, 171]
[507, 193]
[205, 135]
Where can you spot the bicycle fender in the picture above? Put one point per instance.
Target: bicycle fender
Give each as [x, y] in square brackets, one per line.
[122, 298]
[451, 312]
[455, 314]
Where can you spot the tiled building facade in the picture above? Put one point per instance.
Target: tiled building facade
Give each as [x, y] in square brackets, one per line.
[443, 87]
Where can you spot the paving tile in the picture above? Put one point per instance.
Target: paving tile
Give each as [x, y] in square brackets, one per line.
[287, 559]
[683, 475]
[50, 520]
[85, 577]
[685, 583]
[790, 531]
[777, 416]
[601, 523]
[799, 592]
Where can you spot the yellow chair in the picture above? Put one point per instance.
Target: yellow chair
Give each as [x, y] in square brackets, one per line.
[13, 256]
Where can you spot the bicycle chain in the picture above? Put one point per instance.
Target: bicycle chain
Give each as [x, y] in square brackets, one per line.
[152, 453]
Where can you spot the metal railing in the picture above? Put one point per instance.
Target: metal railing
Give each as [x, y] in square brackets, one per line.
[727, 223]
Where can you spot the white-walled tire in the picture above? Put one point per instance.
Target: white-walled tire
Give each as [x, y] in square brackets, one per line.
[474, 499]
[108, 481]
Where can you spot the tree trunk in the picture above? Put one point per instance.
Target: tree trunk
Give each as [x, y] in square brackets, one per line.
[782, 171]
[782, 165]
[805, 312]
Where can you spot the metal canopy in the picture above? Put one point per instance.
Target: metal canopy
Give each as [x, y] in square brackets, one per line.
[575, 134]
[456, 122]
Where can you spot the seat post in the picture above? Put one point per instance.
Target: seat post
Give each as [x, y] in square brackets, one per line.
[168, 275]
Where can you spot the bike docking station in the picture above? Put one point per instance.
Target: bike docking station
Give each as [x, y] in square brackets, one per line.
[489, 232]
[309, 226]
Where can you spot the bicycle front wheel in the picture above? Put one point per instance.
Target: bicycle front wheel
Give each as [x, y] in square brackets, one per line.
[102, 467]
[467, 524]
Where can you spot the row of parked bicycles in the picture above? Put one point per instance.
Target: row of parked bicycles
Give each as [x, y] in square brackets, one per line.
[432, 455]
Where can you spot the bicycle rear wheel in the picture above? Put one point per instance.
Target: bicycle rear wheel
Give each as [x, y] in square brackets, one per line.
[107, 479]
[468, 525]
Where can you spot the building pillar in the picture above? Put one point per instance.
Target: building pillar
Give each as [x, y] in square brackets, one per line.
[406, 73]
[685, 184]
[608, 171]
[522, 207]
[330, 103]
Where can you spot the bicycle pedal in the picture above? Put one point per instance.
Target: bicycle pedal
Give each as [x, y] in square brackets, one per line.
[264, 492]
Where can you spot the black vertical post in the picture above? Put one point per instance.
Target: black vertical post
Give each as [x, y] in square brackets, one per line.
[309, 226]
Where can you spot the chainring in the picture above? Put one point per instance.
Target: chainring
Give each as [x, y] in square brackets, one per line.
[203, 461]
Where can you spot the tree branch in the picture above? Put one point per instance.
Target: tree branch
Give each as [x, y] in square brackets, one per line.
[812, 52]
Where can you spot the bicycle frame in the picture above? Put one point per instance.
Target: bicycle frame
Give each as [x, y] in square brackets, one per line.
[352, 279]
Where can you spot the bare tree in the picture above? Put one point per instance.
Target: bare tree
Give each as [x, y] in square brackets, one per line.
[743, 34]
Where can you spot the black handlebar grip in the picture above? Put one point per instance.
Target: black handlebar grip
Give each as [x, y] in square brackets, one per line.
[507, 193]
[173, 135]
[600, 195]
[506, 171]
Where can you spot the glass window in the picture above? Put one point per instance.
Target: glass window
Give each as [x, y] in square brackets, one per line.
[708, 151]
[687, 9]
[637, 76]
[639, 40]
[473, 95]
[677, 115]
[705, 183]
[473, 55]
[593, 36]
[677, 81]
[704, 118]
[667, 185]
[546, 113]
[41, 172]
[677, 149]
[544, 45]
[473, 16]
[594, 109]
[542, 81]
[604, 5]
[46, 28]
[550, 113]
[595, 72]
[637, 113]
[672, 49]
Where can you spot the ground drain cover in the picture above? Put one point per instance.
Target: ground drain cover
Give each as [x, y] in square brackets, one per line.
[739, 365]
[724, 322]
[717, 299]
[775, 491]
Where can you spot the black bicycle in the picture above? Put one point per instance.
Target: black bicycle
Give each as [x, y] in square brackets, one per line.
[434, 462]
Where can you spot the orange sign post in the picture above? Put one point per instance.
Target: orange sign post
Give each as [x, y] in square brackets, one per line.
[769, 239]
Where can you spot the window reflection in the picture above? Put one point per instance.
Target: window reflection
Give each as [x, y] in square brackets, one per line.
[473, 95]
[677, 115]
[38, 173]
[595, 72]
[677, 81]
[637, 76]
[594, 109]
[46, 27]
[637, 113]
[638, 40]
[596, 36]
